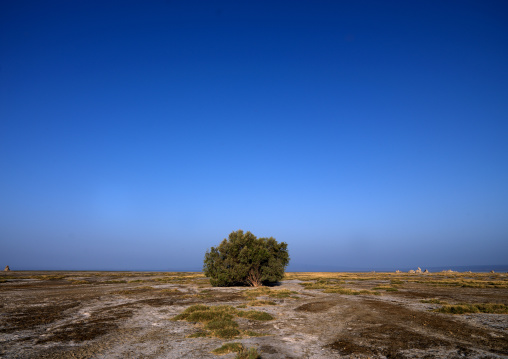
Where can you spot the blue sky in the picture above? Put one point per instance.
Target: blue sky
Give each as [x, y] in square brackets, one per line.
[365, 134]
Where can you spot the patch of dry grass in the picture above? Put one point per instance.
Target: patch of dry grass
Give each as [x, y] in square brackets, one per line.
[217, 321]
[114, 281]
[242, 352]
[141, 281]
[386, 288]
[328, 281]
[433, 301]
[281, 293]
[257, 292]
[320, 284]
[268, 292]
[199, 334]
[228, 348]
[80, 281]
[465, 283]
[463, 308]
[251, 333]
[48, 277]
[334, 285]
[254, 314]
[260, 303]
[348, 291]
[137, 290]
[250, 353]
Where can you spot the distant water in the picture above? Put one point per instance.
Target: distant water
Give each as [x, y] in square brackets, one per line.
[483, 268]
[302, 268]
[325, 268]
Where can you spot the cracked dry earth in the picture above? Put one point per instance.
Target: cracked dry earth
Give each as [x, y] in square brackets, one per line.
[128, 315]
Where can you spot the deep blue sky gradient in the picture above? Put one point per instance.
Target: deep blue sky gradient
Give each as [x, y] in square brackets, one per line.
[365, 134]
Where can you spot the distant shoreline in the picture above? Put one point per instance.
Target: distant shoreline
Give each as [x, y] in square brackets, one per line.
[309, 268]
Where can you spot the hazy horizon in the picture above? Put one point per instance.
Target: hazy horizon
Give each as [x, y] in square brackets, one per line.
[364, 134]
[300, 268]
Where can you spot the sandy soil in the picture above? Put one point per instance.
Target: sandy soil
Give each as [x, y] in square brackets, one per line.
[128, 315]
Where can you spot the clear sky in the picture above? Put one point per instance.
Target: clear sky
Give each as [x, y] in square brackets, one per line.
[365, 134]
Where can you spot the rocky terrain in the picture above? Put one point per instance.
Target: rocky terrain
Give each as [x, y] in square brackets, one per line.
[308, 315]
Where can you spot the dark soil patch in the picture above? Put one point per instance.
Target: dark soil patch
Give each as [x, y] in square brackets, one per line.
[453, 294]
[385, 340]
[387, 328]
[391, 339]
[156, 302]
[347, 347]
[316, 307]
[98, 324]
[62, 352]
[80, 331]
[31, 317]
[268, 349]
[444, 325]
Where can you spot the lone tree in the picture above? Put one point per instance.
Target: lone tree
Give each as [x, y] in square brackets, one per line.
[243, 259]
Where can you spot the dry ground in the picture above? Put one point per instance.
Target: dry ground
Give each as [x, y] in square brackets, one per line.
[316, 315]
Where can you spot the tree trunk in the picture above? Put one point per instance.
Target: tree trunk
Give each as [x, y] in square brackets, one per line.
[254, 278]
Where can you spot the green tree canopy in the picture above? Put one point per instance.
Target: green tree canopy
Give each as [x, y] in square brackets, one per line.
[243, 259]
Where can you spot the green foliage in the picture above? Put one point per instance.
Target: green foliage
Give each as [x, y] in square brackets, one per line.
[243, 259]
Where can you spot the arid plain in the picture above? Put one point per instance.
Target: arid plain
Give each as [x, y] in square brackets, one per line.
[308, 315]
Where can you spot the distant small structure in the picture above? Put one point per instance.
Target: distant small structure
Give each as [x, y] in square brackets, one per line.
[426, 271]
[419, 270]
[6, 269]
[469, 271]
[411, 271]
[492, 271]
[397, 271]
